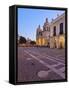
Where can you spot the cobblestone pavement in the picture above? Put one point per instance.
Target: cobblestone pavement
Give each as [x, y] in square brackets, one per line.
[37, 64]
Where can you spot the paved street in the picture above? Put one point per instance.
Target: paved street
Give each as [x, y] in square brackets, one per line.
[35, 64]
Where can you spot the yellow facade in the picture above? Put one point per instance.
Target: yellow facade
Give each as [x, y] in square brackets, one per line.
[39, 41]
[57, 41]
[61, 41]
[42, 41]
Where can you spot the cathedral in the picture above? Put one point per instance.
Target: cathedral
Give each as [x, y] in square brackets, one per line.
[53, 33]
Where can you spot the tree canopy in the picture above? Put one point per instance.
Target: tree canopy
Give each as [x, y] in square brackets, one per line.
[33, 42]
[22, 40]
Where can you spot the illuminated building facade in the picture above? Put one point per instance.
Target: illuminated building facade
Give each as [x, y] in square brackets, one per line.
[42, 36]
[53, 33]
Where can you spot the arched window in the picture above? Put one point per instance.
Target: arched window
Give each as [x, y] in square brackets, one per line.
[54, 31]
[61, 28]
[40, 33]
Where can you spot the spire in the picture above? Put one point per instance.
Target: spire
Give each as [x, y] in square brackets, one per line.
[39, 26]
[46, 20]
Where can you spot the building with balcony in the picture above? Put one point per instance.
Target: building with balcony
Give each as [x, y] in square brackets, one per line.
[53, 33]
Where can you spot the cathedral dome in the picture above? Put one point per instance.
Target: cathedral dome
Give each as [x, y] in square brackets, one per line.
[39, 29]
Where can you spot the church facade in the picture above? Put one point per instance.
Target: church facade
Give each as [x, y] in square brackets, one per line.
[53, 33]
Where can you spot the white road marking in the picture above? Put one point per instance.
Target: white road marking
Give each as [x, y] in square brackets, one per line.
[45, 64]
[48, 57]
[55, 65]
[29, 58]
[62, 69]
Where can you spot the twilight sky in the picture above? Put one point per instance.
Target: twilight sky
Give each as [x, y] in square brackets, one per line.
[29, 19]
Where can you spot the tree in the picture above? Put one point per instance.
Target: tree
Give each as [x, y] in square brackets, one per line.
[32, 42]
[22, 40]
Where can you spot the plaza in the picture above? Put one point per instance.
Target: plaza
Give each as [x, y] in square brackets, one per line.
[40, 63]
[41, 48]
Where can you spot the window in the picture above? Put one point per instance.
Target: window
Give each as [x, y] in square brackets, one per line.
[40, 33]
[61, 28]
[54, 33]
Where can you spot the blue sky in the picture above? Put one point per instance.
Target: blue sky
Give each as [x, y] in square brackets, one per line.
[29, 19]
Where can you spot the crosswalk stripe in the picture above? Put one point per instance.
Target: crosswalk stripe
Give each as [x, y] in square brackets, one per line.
[45, 64]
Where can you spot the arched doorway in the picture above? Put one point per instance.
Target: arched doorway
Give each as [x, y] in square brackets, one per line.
[61, 45]
[61, 42]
